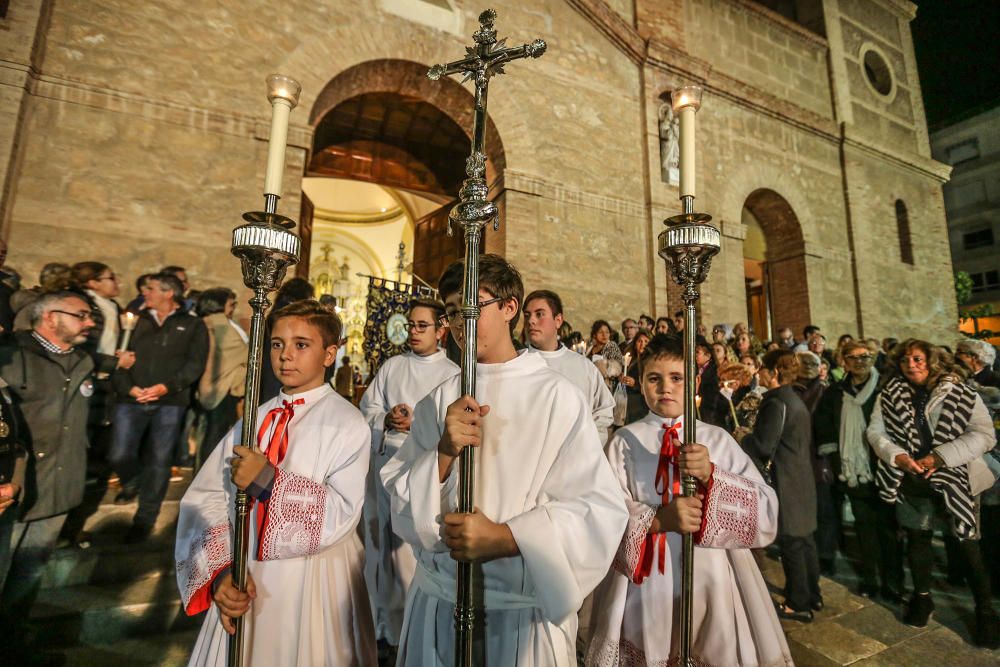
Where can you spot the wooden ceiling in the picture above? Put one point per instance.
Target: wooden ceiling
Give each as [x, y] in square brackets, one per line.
[393, 140]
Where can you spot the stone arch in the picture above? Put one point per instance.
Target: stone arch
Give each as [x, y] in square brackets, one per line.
[408, 79]
[786, 279]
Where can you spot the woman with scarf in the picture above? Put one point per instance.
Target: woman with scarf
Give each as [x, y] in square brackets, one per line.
[930, 431]
[839, 426]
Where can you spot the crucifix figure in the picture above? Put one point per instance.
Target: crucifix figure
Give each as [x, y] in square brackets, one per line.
[473, 211]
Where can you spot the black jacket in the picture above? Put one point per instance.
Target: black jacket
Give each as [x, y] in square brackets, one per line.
[52, 392]
[173, 354]
[782, 434]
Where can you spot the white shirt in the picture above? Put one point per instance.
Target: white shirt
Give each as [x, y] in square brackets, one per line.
[587, 378]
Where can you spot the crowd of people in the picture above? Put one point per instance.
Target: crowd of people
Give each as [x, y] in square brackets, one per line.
[793, 430]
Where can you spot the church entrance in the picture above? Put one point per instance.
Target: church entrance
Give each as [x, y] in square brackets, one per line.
[777, 292]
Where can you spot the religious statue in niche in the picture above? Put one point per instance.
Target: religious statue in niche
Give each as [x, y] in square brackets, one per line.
[670, 150]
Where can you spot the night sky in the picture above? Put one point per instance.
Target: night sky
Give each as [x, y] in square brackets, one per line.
[958, 54]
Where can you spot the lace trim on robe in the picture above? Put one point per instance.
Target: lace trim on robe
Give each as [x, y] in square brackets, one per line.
[731, 513]
[296, 512]
[624, 653]
[631, 547]
[209, 554]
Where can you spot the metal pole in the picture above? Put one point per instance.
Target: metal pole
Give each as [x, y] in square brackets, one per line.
[472, 213]
[266, 248]
[688, 245]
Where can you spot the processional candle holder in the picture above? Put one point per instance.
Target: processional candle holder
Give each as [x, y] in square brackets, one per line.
[472, 213]
[266, 247]
[688, 245]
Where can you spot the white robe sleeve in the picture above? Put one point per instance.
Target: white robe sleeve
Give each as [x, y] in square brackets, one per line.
[740, 510]
[373, 404]
[603, 402]
[304, 516]
[568, 540]
[204, 533]
[640, 516]
[417, 498]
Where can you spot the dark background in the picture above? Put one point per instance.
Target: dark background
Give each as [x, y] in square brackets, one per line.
[957, 43]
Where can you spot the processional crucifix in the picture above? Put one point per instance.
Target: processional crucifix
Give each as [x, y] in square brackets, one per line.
[473, 211]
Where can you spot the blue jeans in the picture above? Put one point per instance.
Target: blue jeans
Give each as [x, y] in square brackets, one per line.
[157, 427]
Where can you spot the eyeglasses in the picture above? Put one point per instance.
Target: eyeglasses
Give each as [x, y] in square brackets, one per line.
[82, 316]
[453, 315]
[860, 358]
[419, 327]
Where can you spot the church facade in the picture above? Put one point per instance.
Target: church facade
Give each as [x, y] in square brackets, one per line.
[136, 134]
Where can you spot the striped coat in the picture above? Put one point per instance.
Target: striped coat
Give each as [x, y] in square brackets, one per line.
[962, 434]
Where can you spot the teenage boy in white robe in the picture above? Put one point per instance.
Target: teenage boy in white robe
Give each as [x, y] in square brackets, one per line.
[388, 407]
[548, 513]
[306, 603]
[636, 609]
[543, 315]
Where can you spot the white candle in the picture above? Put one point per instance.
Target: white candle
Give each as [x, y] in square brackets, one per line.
[628, 359]
[284, 96]
[128, 326]
[686, 101]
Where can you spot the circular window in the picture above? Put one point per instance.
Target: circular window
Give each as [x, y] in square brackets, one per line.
[877, 72]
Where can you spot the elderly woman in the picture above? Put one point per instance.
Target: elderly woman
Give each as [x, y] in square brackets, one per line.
[222, 385]
[605, 353]
[839, 426]
[781, 437]
[930, 431]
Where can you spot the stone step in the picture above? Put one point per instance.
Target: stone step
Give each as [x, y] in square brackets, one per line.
[172, 650]
[109, 613]
[108, 559]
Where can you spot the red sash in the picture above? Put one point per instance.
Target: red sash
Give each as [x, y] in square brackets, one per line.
[277, 447]
[654, 546]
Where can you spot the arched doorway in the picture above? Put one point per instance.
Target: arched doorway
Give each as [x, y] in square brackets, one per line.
[384, 122]
[777, 289]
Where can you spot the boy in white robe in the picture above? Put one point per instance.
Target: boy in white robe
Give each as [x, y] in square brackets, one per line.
[306, 603]
[388, 407]
[543, 315]
[548, 513]
[636, 609]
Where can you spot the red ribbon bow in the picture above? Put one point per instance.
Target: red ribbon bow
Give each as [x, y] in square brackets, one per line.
[654, 547]
[277, 447]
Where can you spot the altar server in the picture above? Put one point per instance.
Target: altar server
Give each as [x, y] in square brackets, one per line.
[543, 315]
[306, 602]
[549, 514]
[388, 407]
[637, 607]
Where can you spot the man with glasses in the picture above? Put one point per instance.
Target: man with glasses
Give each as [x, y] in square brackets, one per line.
[839, 425]
[50, 379]
[629, 330]
[388, 405]
[171, 348]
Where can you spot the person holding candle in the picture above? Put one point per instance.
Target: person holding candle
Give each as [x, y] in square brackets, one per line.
[171, 348]
[636, 621]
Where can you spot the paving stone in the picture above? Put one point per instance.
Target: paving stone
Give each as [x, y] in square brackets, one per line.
[834, 641]
[804, 656]
[936, 648]
[880, 624]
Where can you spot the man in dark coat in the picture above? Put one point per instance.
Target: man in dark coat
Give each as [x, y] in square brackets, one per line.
[171, 348]
[782, 436]
[50, 380]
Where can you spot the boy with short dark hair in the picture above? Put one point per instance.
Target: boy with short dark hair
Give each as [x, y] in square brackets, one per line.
[548, 513]
[734, 619]
[305, 602]
[543, 315]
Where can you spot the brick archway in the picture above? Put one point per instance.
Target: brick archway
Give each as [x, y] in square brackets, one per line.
[385, 122]
[787, 279]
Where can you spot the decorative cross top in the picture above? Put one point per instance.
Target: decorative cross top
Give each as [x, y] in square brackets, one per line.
[482, 61]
